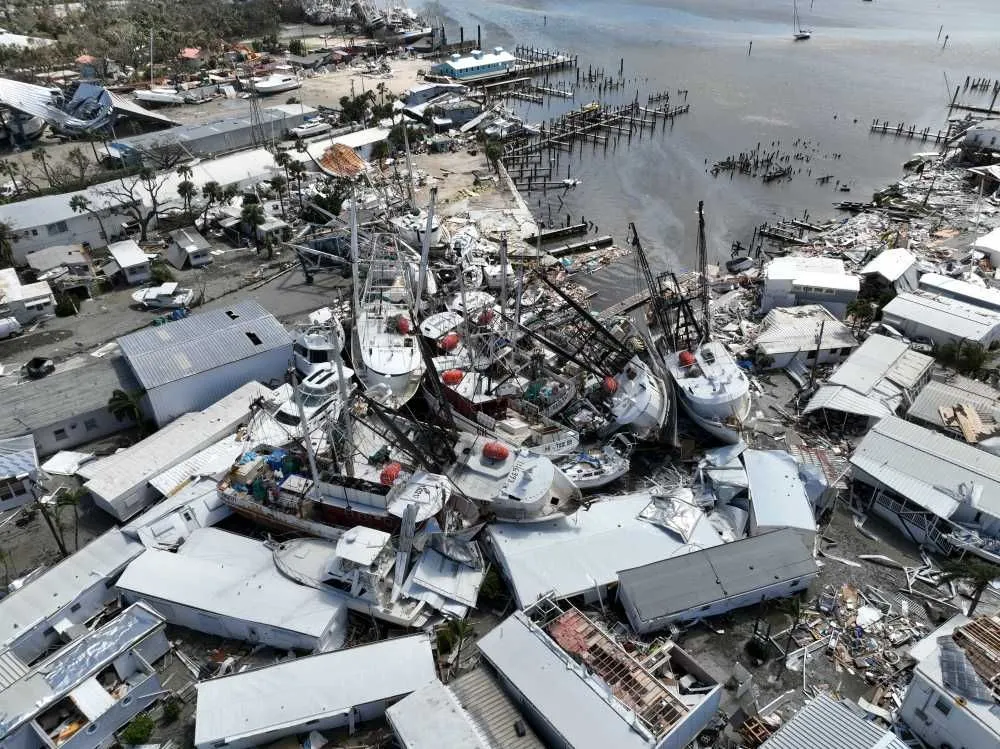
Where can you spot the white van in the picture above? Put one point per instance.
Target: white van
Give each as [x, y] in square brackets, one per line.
[9, 326]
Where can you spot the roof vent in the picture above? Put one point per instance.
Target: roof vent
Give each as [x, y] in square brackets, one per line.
[497, 50]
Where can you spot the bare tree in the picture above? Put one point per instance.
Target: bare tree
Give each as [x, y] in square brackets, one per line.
[138, 197]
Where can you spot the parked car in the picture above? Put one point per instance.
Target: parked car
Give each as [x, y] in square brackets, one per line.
[9, 326]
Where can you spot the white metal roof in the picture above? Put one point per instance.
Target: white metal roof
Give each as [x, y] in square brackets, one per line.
[55, 256]
[777, 496]
[432, 718]
[790, 267]
[792, 329]
[823, 280]
[128, 254]
[881, 357]
[59, 586]
[359, 138]
[286, 696]
[118, 474]
[362, 545]
[825, 723]
[949, 316]
[213, 461]
[558, 688]
[482, 58]
[18, 457]
[163, 525]
[233, 577]
[928, 468]
[959, 289]
[568, 556]
[201, 342]
[12, 290]
[890, 264]
[190, 239]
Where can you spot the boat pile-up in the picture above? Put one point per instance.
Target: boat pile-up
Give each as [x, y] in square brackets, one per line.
[527, 402]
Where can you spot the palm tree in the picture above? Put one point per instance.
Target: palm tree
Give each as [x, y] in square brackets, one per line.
[253, 215]
[298, 170]
[976, 572]
[186, 190]
[279, 184]
[282, 159]
[6, 246]
[125, 405]
[861, 313]
[39, 156]
[82, 204]
[71, 498]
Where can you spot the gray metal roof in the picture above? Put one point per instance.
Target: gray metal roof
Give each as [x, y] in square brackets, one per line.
[981, 397]
[673, 586]
[202, 342]
[777, 495]
[492, 710]
[431, 717]
[64, 394]
[18, 457]
[190, 237]
[61, 585]
[881, 357]
[928, 468]
[825, 723]
[949, 316]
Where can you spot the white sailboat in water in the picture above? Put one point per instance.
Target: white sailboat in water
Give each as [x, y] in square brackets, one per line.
[799, 32]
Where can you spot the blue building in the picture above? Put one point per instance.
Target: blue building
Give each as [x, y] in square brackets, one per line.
[477, 65]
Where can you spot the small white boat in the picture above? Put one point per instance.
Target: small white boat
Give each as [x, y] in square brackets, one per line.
[799, 33]
[592, 469]
[713, 389]
[320, 397]
[164, 296]
[412, 227]
[311, 128]
[159, 95]
[275, 83]
[318, 342]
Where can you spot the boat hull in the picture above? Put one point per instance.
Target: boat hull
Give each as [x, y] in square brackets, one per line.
[720, 430]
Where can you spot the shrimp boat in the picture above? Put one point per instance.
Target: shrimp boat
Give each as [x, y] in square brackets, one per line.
[384, 346]
[511, 484]
[712, 388]
[318, 342]
[639, 401]
[478, 406]
[710, 385]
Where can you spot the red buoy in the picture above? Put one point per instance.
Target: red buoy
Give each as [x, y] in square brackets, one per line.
[452, 377]
[449, 342]
[686, 359]
[390, 473]
[403, 324]
[486, 316]
[610, 385]
[496, 451]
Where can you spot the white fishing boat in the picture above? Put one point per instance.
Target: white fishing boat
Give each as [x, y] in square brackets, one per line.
[799, 33]
[165, 296]
[275, 83]
[510, 484]
[318, 342]
[600, 466]
[311, 129]
[358, 566]
[639, 401]
[161, 95]
[384, 346]
[412, 227]
[712, 388]
[318, 396]
[477, 407]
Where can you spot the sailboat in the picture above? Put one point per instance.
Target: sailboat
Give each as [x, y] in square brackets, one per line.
[798, 32]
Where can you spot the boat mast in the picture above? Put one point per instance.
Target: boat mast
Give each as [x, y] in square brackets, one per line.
[425, 248]
[306, 440]
[706, 304]
[409, 167]
[354, 250]
[345, 405]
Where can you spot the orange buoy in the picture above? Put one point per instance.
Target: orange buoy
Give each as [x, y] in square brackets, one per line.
[486, 316]
[610, 385]
[390, 473]
[686, 359]
[449, 342]
[452, 377]
[403, 324]
[496, 451]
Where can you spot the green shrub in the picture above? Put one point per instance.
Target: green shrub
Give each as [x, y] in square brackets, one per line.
[171, 709]
[138, 731]
[161, 273]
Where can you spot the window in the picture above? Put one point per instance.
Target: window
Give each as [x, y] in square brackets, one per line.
[811, 354]
[90, 424]
[846, 351]
[943, 706]
[231, 315]
[59, 227]
[254, 338]
[75, 607]
[60, 435]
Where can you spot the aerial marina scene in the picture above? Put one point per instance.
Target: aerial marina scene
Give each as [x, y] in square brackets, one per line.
[516, 374]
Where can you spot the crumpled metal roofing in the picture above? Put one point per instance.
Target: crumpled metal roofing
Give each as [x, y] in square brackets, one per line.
[839, 398]
[341, 161]
[825, 723]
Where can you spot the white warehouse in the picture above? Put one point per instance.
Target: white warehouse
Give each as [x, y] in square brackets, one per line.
[189, 364]
[942, 319]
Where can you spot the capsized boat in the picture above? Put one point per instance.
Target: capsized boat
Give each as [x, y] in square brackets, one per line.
[712, 388]
[358, 565]
[511, 484]
[639, 401]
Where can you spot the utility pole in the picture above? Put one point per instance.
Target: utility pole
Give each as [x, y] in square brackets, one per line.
[819, 346]
[48, 521]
